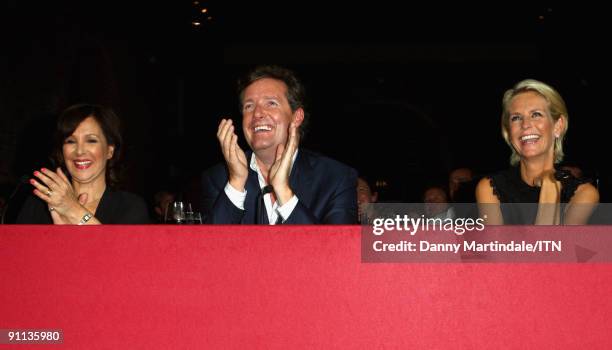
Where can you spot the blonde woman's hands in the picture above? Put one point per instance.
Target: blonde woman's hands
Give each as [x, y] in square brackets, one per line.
[551, 187]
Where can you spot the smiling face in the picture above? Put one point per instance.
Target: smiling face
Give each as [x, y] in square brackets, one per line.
[532, 130]
[266, 114]
[86, 152]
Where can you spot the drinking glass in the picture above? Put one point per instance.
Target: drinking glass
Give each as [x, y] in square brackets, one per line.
[175, 213]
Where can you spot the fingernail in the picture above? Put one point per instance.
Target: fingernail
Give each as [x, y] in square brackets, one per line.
[36, 172]
[43, 169]
[32, 181]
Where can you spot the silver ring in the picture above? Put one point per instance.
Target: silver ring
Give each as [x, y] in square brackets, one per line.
[51, 209]
[49, 192]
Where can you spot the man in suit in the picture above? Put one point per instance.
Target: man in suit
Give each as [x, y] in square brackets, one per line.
[275, 182]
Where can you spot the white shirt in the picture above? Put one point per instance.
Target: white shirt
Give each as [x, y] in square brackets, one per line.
[273, 210]
[447, 214]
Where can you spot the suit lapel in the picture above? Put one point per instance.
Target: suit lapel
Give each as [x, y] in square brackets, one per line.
[300, 179]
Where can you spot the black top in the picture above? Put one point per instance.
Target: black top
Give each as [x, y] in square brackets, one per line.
[509, 187]
[116, 207]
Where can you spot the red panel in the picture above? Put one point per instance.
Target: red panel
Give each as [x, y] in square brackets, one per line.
[170, 287]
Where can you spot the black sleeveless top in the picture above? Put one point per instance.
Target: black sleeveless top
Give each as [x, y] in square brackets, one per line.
[510, 188]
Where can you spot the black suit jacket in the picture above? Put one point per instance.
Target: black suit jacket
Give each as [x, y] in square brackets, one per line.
[326, 191]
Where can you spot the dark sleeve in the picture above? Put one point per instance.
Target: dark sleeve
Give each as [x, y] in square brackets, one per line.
[301, 215]
[138, 212]
[569, 185]
[34, 211]
[341, 208]
[493, 182]
[216, 207]
[129, 209]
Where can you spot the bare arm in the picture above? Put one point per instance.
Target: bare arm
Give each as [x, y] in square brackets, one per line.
[488, 203]
[549, 210]
[582, 204]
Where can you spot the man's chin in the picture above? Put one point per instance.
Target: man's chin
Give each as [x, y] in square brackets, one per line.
[263, 146]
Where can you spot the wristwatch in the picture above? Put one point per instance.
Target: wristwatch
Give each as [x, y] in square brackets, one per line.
[85, 218]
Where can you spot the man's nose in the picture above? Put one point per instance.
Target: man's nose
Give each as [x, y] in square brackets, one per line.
[258, 111]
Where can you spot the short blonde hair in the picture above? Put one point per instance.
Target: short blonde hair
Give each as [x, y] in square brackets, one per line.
[556, 107]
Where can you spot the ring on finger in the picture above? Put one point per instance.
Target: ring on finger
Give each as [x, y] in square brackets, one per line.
[51, 209]
[49, 192]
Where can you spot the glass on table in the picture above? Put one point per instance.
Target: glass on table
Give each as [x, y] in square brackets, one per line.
[175, 213]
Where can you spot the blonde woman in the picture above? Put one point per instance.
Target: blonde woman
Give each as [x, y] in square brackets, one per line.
[534, 123]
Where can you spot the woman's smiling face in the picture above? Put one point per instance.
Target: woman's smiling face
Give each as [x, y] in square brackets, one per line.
[86, 152]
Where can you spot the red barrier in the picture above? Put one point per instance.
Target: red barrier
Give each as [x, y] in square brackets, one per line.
[197, 287]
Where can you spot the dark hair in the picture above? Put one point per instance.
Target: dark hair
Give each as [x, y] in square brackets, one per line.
[157, 197]
[438, 186]
[295, 90]
[74, 115]
[371, 184]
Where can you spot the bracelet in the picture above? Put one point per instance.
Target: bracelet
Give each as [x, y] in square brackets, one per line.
[85, 218]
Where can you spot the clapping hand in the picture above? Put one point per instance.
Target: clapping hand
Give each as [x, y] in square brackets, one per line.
[234, 156]
[551, 187]
[57, 191]
[281, 169]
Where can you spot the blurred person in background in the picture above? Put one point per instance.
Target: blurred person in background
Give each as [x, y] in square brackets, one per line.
[365, 196]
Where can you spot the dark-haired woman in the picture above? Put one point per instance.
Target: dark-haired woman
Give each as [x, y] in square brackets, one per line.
[78, 192]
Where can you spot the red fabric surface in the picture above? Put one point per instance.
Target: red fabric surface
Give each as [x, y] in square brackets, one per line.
[173, 287]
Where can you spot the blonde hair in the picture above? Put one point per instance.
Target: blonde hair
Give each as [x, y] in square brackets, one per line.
[556, 106]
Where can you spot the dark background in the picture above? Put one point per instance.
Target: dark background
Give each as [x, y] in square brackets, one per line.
[401, 92]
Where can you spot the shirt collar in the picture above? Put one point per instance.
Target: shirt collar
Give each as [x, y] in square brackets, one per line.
[255, 167]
